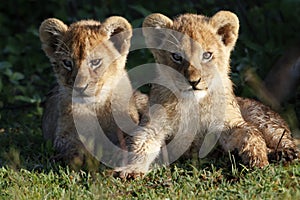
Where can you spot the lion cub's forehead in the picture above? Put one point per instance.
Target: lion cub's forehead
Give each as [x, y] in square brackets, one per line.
[82, 36]
[197, 27]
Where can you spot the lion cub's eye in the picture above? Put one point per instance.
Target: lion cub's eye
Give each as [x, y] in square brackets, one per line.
[207, 55]
[68, 64]
[95, 63]
[176, 57]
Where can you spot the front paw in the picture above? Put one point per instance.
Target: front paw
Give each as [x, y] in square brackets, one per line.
[284, 154]
[130, 171]
[258, 161]
[255, 158]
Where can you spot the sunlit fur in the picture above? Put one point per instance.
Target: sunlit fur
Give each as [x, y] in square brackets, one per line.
[241, 124]
[92, 87]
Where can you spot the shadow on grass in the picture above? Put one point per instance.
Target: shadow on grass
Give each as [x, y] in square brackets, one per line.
[21, 141]
[22, 145]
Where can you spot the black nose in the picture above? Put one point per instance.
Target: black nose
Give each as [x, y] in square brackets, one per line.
[81, 89]
[195, 83]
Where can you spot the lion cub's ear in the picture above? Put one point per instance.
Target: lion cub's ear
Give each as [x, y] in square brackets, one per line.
[227, 26]
[157, 20]
[50, 32]
[155, 29]
[119, 31]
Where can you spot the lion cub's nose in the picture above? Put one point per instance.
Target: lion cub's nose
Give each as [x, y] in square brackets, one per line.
[195, 83]
[81, 89]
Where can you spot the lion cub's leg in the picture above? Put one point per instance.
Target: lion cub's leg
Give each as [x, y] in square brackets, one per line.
[274, 129]
[69, 150]
[145, 146]
[72, 152]
[249, 143]
[69, 147]
[59, 129]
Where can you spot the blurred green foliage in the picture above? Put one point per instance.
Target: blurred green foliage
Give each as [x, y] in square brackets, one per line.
[268, 27]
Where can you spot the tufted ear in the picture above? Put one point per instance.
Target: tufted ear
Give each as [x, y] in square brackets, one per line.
[155, 29]
[227, 26]
[119, 31]
[51, 30]
[157, 20]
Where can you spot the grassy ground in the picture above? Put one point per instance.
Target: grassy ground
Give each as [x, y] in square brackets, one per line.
[267, 29]
[27, 173]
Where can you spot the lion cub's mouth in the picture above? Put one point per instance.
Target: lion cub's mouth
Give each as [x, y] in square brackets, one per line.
[197, 85]
[196, 88]
[199, 93]
[83, 99]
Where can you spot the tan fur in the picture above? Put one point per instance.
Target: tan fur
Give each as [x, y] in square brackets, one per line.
[72, 50]
[242, 124]
[274, 129]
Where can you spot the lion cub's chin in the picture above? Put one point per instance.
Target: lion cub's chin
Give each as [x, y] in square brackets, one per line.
[84, 99]
[197, 94]
[200, 94]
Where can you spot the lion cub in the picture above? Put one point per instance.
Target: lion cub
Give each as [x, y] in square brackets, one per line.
[202, 110]
[88, 59]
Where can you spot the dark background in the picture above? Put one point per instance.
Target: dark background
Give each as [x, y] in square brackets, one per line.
[268, 31]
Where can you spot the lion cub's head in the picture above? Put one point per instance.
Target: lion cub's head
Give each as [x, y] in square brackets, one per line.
[86, 53]
[197, 46]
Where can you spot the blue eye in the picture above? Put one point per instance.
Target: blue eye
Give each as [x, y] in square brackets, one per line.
[207, 55]
[68, 64]
[176, 57]
[95, 63]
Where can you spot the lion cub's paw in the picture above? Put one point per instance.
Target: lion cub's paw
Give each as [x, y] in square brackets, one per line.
[284, 154]
[258, 161]
[130, 172]
[255, 158]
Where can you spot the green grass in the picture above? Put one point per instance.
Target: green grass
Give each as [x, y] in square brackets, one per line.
[26, 172]
[184, 182]
[268, 29]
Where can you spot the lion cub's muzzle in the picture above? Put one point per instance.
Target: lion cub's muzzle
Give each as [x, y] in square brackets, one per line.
[80, 91]
[193, 76]
[194, 84]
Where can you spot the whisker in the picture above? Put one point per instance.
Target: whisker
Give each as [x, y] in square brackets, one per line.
[55, 33]
[175, 39]
[171, 42]
[177, 46]
[64, 46]
[279, 142]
